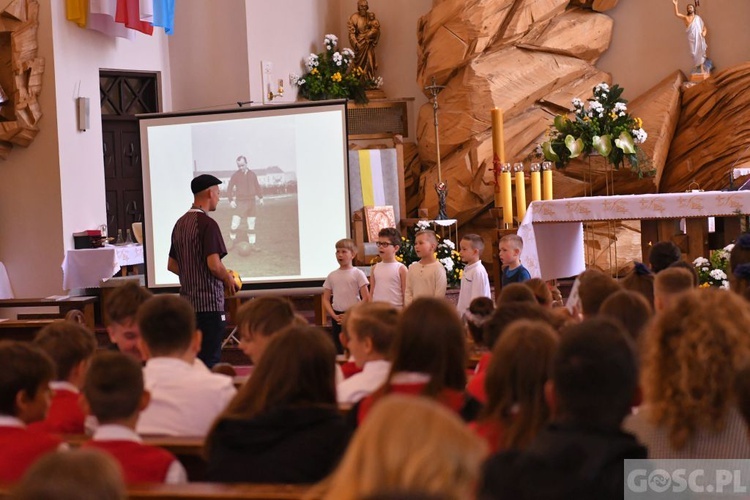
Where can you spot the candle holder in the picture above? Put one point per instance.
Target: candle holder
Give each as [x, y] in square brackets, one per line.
[518, 167]
[535, 167]
[506, 167]
[547, 165]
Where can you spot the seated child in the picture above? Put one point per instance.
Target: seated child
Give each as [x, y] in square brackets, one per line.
[388, 277]
[185, 396]
[429, 359]
[283, 426]
[119, 314]
[474, 282]
[113, 392]
[70, 346]
[510, 248]
[347, 285]
[593, 289]
[580, 453]
[426, 277]
[72, 475]
[662, 255]
[369, 328]
[258, 319]
[670, 283]
[24, 398]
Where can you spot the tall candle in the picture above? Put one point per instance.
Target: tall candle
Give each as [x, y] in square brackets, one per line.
[498, 151]
[507, 189]
[520, 192]
[547, 180]
[536, 182]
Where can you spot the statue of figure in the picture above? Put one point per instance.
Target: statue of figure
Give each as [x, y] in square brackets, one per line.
[364, 33]
[696, 32]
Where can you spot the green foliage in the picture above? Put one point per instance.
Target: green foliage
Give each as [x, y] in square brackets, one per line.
[604, 127]
[332, 75]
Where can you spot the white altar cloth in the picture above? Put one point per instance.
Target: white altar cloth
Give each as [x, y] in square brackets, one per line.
[87, 268]
[552, 231]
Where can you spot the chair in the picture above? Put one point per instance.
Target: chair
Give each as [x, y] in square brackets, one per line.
[376, 178]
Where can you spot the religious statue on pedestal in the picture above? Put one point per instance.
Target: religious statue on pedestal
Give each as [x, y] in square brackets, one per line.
[364, 34]
[696, 32]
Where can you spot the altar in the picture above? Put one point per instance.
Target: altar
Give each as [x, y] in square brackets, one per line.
[87, 268]
[553, 235]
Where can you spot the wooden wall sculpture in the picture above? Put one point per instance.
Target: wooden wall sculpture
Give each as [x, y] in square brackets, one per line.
[20, 74]
[530, 58]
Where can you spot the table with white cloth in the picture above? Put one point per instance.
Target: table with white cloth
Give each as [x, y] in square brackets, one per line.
[552, 231]
[88, 267]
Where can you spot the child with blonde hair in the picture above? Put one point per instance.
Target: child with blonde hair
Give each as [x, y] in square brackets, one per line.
[510, 248]
[430, 451]
[347, 285]
[426, 277]
[369, 329]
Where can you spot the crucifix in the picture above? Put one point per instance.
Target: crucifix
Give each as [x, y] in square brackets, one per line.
[441, 187]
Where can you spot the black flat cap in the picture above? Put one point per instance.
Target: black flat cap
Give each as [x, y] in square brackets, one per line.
[202, 182]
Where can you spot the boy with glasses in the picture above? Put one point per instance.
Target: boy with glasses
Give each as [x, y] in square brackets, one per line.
[388, 277]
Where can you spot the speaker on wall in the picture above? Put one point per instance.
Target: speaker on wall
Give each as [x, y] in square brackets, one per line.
[82, 106]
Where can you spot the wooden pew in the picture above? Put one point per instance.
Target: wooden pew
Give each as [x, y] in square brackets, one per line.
[22, 329]
[64, 306]
[207, 491]
[217, 491]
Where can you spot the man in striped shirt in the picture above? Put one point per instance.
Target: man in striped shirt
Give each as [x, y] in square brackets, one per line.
[195, 256]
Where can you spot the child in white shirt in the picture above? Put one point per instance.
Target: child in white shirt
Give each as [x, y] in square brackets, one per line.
[369, 329]
[388, 277]
[347, 285]
[474, 282]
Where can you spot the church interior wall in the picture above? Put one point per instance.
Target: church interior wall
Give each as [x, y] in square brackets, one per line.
[56, 186]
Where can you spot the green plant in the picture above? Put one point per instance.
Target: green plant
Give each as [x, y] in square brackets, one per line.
[332, 75]
[714, 270]
[446, 253]
[604, 127]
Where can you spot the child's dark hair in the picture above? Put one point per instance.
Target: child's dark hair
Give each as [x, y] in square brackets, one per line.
[479, 312]
[477, 242]
[629, 308]
[430, 339]
[516, 292]
[394, 237]
[595, 373]
[25, 367]
[541, 291]
[507, 313]
[167, 324]
[113, 386]
[123, 302]
[68, 344]
[662, 255]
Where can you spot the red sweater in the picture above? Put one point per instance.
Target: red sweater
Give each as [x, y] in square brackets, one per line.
[20, 448]
[64, 416]
[451, 398]
[140, 463]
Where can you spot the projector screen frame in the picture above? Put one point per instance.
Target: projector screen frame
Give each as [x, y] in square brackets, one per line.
[215, 115]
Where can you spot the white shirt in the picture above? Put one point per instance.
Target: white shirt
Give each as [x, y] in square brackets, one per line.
[364, 383]
[474, 283]
[344, 285]
[425, 281]
[185, 399]
[388, 283]
[176, 473]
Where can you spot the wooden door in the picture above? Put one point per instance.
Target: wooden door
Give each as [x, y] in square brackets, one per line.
[123, 95]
